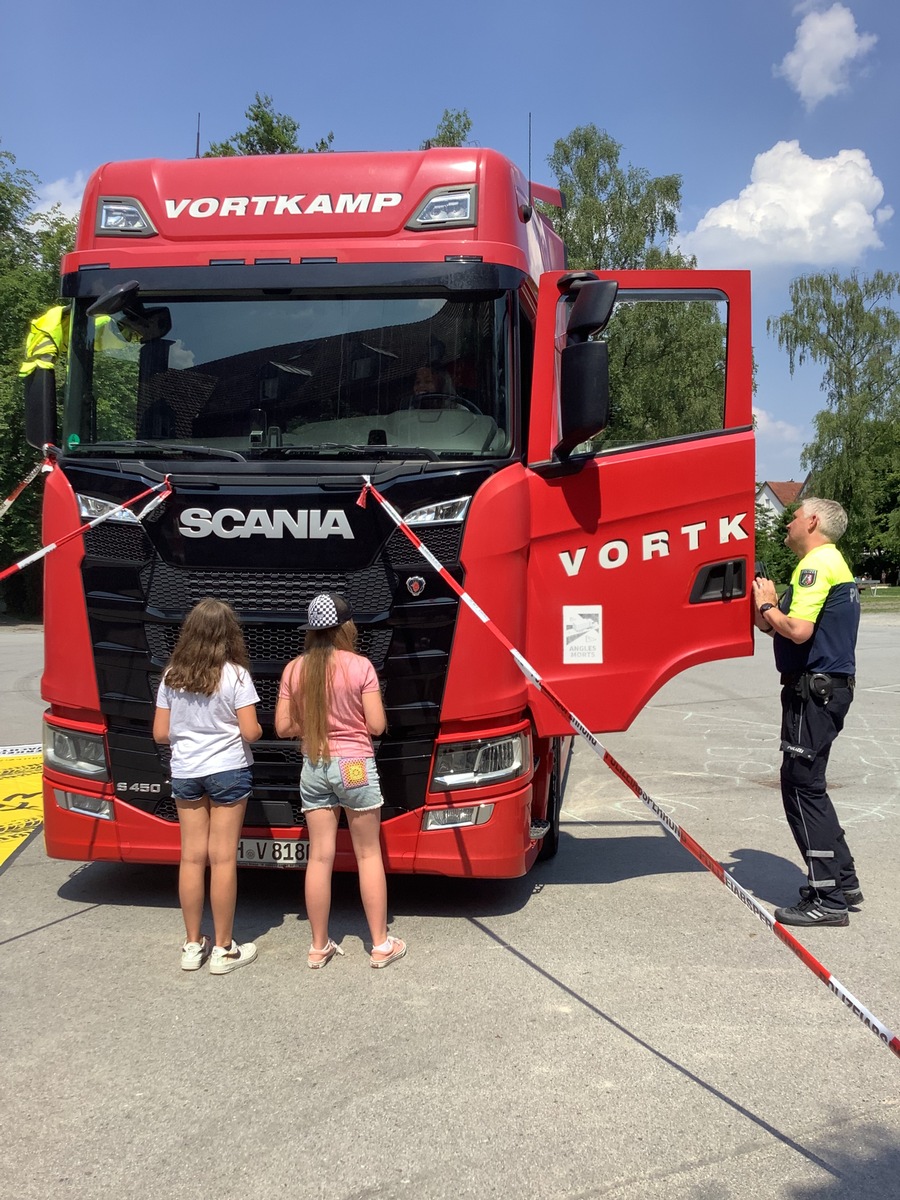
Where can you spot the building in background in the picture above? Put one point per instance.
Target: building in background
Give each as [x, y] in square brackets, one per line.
[775, 497]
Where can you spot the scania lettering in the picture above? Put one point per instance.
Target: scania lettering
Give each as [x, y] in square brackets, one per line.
[576, 448]
[232, 523]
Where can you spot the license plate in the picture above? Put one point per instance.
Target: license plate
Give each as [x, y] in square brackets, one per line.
[267, 852]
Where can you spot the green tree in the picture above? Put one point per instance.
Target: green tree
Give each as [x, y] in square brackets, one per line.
[267, 132]
[667, 367]
[771, 551]
[615, 216]
[453, 129]
[851, 328]
[31, 245]
[666, 371]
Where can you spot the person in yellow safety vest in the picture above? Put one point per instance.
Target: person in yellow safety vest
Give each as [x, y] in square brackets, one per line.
[48, 338]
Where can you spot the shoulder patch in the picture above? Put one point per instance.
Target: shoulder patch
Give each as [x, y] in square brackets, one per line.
[807, 577]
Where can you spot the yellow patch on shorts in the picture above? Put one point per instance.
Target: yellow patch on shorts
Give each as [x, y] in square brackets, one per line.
[354, 772]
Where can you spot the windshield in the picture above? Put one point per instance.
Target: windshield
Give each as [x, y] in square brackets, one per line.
[283, 377]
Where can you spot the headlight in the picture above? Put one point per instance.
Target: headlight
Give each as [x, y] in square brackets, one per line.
[479, 763]
[123, 217]
[447, 206]
[446, 512]
[75, 753]
[91, 507]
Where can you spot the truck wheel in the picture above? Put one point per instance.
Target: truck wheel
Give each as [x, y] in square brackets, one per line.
[550, 843]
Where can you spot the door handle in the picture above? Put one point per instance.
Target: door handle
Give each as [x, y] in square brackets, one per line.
[720, 581]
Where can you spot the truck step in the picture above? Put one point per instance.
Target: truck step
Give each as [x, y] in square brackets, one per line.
[538, 830]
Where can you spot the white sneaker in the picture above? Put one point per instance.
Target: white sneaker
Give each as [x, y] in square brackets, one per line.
[228, 959]
[195, 954]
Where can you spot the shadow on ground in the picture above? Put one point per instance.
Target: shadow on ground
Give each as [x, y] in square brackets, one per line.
[269, 899]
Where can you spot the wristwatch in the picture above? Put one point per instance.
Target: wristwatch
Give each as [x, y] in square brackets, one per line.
[764, 608]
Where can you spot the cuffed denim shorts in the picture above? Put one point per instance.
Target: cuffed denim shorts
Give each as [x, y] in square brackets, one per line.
[323, 785]
[222, 787]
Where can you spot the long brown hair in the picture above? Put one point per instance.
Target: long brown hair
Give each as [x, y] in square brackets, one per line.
[210, 637]
[310, 699]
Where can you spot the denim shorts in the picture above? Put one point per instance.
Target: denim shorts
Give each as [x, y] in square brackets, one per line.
[222, 787]
[343, 782]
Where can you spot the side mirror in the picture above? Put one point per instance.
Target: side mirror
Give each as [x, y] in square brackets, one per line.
[584, 394]
[117, 299]
[149, 324]
[592, 308]
[40, 407]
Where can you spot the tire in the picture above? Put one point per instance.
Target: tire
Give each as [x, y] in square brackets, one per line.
[550, 843]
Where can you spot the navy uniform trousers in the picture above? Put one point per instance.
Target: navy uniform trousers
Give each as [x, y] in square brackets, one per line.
[808, 728]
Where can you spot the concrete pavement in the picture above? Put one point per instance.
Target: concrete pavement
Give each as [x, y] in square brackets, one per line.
[615, 1025]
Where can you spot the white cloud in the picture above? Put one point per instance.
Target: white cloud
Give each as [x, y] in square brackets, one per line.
[66, 193]
[827, 43]
[769, 428]
[796, 210]
[778, 446]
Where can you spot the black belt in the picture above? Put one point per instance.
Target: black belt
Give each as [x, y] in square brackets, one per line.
[790, 679]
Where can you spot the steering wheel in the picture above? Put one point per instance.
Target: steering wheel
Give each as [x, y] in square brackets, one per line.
[447, 400]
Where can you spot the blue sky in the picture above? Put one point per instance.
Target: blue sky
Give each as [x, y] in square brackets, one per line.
[780, 118]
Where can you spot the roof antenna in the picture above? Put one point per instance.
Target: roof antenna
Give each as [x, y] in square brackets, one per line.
[197, 155]
[525, 210]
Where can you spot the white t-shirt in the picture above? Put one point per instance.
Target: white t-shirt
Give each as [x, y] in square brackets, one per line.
[203, 730]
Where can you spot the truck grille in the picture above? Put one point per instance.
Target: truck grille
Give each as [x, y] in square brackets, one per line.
[271, 643]
[117, 541]
[442, 540]
[176, 589]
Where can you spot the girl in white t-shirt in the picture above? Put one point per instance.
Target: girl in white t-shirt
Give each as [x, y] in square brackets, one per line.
[329, 697]
[206, 711]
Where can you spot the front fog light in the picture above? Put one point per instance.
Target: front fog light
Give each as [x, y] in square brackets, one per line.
[88, 806]
[453, 818]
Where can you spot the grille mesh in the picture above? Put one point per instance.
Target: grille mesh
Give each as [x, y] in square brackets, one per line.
[117, 541]
[175, 589]
[271, 643]
[442, 540]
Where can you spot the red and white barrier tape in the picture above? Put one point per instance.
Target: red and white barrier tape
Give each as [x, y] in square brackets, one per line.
[859, 1010]
[163, 489]
[13, 496]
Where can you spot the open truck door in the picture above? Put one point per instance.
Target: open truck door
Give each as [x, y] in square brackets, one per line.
[642, 538]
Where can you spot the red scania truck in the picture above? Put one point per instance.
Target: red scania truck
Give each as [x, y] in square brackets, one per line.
[267, 331]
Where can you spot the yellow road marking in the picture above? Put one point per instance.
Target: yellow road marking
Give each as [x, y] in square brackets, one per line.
[21, 801]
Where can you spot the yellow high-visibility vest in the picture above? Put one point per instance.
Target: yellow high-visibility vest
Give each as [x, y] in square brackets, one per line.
[47, 339]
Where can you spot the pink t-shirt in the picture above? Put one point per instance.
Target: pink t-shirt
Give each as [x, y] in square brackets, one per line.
[353, 674]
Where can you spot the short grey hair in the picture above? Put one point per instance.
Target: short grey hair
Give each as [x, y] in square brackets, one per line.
[832, 517]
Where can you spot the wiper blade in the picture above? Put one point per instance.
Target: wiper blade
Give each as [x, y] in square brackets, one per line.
[363, 451]
[138, 446]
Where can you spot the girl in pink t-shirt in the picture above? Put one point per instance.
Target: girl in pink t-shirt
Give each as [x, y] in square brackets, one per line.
[329, 698]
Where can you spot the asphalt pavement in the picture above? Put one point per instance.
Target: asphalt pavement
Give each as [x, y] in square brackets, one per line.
[616, 1024]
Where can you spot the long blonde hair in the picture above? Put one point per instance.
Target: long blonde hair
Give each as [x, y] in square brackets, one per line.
[311, 697]
[210, 637]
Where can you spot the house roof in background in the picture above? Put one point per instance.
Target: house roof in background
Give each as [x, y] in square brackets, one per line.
[785, 492]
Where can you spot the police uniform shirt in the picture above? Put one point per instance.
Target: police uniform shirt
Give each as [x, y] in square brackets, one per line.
[822, 590]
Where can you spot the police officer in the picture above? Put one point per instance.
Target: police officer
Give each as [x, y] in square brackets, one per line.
[814, 627]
